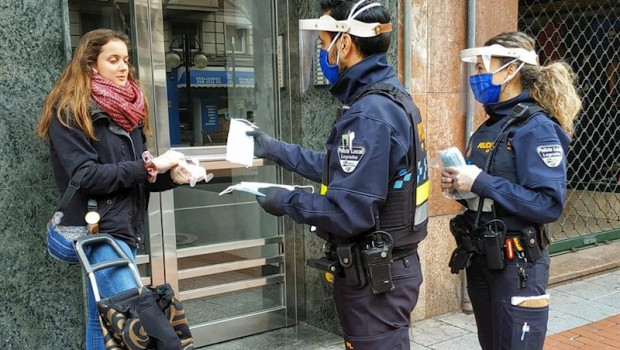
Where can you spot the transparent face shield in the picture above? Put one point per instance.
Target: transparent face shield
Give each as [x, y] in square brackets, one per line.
[465, 92]
[476, 61]
[309, 44]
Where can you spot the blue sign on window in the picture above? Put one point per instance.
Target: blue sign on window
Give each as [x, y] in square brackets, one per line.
[218, 77]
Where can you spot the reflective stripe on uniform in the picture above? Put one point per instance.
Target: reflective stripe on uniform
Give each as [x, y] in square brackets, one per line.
[323, 189]
[421, 213]
[422, 193]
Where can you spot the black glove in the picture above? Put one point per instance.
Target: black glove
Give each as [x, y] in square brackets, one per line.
[272, 199]
[261, 143]
[459, 260]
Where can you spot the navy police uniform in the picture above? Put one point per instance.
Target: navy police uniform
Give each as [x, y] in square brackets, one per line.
[374, 175]
[524, 186]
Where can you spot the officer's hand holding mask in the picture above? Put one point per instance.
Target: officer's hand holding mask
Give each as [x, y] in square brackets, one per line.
[272, 199]
[261, 143]
[459, 178]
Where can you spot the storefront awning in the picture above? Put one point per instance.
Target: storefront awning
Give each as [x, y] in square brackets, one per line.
[218, 77]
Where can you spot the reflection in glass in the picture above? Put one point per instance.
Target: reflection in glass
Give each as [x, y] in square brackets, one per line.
[220, 66]
[87, 15]
[214, 57]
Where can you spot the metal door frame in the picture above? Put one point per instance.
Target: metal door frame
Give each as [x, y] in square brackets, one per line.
[149, 34]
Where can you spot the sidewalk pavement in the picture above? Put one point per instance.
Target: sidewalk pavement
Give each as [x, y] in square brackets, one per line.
[574, 311]
[599, 335]
[583, 315]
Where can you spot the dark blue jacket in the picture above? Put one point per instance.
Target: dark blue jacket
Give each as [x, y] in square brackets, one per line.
[117, 180]
[531, 190]
[354, 197]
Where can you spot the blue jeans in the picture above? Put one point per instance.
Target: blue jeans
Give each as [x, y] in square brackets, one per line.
[110, 281]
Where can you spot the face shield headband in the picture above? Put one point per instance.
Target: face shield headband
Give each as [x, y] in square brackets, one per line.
[496, 50]
[482, 86]
[308, 35]
[350, 25]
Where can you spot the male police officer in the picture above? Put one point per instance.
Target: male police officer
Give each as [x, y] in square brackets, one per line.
[372, 209]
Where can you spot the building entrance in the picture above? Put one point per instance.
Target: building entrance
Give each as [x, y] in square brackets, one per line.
[203, 63]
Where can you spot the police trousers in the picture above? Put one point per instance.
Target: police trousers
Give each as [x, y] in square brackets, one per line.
[502, 325]
[379, 321]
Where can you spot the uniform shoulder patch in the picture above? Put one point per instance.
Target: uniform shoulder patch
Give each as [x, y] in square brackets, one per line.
[350, 153]
[551, 155]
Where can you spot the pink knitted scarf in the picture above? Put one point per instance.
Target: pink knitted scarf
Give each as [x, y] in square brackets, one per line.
[124, 104]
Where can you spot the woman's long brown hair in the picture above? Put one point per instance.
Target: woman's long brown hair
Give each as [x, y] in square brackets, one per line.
[69, 99]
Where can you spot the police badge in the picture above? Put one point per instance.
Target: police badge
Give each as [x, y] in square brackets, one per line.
[349, 154]
[551, 155]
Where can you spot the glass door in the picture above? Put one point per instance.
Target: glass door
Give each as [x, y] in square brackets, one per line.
[223, 254]
[127, 17]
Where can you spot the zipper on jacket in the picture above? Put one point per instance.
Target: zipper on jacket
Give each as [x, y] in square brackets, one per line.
[115, 129]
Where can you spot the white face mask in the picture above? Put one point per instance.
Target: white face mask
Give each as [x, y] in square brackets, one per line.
[240, 147]
[253, 188]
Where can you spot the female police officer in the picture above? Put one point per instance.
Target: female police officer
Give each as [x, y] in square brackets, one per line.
[517, 168]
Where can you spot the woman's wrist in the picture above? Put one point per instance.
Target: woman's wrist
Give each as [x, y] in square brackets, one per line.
[149, 166]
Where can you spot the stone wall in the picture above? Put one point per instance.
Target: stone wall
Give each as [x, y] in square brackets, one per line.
[42, 305]
[439, 33]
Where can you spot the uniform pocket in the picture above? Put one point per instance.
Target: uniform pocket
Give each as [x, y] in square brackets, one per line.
[523, 328]
[406, 267]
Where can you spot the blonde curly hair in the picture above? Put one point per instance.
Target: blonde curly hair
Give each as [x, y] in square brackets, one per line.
[552, 86]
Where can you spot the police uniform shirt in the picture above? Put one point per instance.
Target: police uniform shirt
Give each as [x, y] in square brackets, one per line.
[367, 147]
[528, 176]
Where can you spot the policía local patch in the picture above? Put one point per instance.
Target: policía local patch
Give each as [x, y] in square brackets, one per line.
[350, 154]
[551, 155]
[350, 157]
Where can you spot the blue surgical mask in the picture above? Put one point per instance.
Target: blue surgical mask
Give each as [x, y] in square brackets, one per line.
[330, 71]
[483, 88]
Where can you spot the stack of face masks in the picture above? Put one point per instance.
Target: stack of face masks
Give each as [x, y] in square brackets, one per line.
[254, 188]
[452, 157]
[240, 147]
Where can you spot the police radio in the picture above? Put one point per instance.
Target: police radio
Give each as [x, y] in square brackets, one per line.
[377, 257]
[519, 111]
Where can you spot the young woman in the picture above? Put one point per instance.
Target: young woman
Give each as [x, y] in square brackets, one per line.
[97, 115]
[517, 168]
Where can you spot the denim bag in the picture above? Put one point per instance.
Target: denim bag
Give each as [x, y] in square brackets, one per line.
[60, 240]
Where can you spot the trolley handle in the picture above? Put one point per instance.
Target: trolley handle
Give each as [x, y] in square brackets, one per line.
[109, 263]
[123, 260]
[98, 239]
